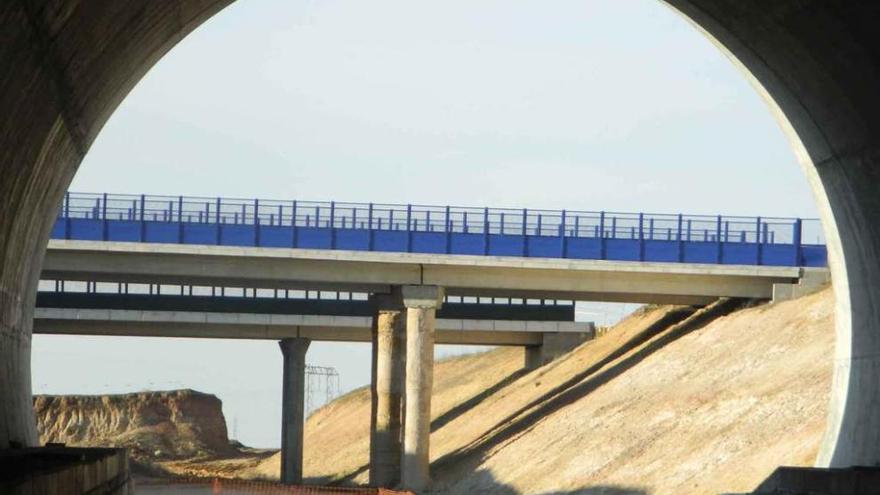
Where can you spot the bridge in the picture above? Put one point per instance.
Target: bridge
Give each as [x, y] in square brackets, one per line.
[405, 264]
[75, 62]
[240, 313]
[567, 234]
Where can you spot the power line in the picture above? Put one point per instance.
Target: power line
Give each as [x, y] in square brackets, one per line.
[322, 386]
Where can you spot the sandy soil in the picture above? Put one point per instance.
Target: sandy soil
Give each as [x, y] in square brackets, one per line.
[712, 411]
[663, 403]
[671, 400]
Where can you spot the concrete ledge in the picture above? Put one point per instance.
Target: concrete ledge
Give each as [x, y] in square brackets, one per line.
[544, 278]
[108, 247]
[184, 324]
[819, 481]
[812, 280]
[65, 471]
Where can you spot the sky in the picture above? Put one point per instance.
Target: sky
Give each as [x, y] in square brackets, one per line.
[580, 104]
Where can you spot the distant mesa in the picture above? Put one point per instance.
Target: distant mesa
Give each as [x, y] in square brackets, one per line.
[167, 425]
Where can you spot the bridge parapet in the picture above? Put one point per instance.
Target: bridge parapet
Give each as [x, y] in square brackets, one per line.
[463, 230]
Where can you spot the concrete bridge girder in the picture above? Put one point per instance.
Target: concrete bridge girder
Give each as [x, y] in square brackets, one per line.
[675, 283]
[817, 64]
[183, 324]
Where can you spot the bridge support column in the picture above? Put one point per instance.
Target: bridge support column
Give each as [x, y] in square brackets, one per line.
[533, 357]
[421, 303]
[809, 282]
[554, 346]
[387, 389]
[292, 405]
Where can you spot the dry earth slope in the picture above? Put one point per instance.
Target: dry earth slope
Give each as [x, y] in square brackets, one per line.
[664, 403]
[671, 400]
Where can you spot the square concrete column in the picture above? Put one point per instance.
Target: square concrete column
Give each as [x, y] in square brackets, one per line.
[293, 384]
[421, 303]
[532, 357]
[554, 346]
[387, 389]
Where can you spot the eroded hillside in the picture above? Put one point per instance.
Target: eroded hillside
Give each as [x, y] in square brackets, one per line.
[154, 425]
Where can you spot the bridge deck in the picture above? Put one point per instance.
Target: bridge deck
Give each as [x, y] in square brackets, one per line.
[359, 271]
[426, 229]
[195, 324]
[292, 305]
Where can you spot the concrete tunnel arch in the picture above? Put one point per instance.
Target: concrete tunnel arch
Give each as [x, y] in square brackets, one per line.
[817, 64]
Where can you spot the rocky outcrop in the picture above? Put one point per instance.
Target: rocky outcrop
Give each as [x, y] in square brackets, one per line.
[177, 424]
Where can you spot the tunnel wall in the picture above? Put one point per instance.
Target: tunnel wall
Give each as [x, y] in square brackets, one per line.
[66, 66]
[816, 65]
[72, 62]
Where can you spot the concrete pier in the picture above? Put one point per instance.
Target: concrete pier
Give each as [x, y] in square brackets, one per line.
[292, 408]
[421, 303]
[553, 346]
[387, 389]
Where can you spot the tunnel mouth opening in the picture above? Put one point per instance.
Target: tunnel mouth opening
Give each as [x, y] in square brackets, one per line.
[836, 247]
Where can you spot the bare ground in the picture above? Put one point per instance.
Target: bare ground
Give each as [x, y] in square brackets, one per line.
[663, 403]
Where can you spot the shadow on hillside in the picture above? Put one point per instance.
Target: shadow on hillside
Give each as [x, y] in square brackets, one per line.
[581, 385]
[484, 482]
[474, 401]
[346, 479]
[440, 421]
[676, 323]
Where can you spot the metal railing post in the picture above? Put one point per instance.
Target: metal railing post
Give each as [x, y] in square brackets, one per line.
[680, 239]
[563, 237]
[409, 234]
[759, 247]
[370, 234]
[217, 219]
[486, 231]
[294, 235]
[641, 237]
[448, 230]
[104, 225]
[143, 236]
[256, 222]
[180, 219]
[67, 215]
[333, 225]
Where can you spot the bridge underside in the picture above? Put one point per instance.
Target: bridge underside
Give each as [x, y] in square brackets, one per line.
[178, 324]
[70, 63]
[584, 280]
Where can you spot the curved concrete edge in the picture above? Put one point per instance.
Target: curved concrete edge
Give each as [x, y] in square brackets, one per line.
[817, 61]
[816, 65]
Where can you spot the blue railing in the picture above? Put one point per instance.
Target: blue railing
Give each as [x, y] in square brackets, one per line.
[442, 229]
